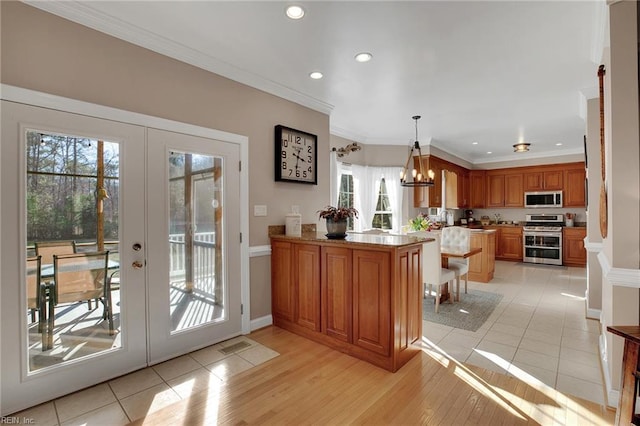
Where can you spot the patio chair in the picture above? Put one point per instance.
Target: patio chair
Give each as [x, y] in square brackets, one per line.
[36, 294]
[47, 249]
[79, 277]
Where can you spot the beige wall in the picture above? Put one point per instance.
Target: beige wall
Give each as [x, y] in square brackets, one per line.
[620, 304]
[594, 270]
[46, 53]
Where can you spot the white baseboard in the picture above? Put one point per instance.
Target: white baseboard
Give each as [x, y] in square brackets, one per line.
[261, 322]
[612, 395]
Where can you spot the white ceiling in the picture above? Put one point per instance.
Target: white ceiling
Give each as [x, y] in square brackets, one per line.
[492, 72]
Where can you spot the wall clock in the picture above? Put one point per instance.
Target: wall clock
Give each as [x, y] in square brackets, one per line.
[296, 156]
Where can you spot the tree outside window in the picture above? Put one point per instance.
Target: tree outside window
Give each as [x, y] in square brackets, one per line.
[345, 196]
[382, 216]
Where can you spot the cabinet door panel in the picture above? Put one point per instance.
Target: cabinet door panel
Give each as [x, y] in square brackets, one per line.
[574, 253]
[281, 281]
[511, 245]
[306, 261]
[495, 191]
[574, 188]
[477, 189]
[553, 180]
[513, 191]
[371, 301]
[336, 292]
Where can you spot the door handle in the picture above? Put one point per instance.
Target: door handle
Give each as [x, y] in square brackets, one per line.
[137, 264]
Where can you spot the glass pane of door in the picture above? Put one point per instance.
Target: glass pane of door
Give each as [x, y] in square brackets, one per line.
[72, 197]
[195, 226]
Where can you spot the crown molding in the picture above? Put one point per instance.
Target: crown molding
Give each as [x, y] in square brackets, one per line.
[83, 14]
[528, 156]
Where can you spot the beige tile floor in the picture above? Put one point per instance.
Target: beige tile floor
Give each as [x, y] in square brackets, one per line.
[538, 329]
[135, 395]
[537, 332]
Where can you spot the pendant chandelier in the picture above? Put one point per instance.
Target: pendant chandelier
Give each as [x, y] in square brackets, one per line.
[416, 177]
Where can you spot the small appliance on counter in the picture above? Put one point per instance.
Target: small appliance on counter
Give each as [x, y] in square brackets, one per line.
[468, 215]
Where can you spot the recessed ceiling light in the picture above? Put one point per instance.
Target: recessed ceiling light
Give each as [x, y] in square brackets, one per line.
[559, 144]
[316, 75]
[521, 147]
[474, 143]
[489, 152]
[295, 12]
[364, 57]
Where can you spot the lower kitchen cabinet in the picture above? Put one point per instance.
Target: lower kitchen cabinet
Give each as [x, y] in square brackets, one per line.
[362, 300]
[511, 244]
[482, 265]
[508, 242]
[573, 251]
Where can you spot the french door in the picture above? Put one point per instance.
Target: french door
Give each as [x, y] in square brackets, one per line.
[162, 204]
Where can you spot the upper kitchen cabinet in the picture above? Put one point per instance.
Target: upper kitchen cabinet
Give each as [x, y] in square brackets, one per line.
[477, 189]
[543, 180]
[429, 196]
[574, 186]
[504, 189]
[451, 189]
[464, 189]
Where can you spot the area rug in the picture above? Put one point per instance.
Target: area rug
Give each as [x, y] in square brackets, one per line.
[469, 313]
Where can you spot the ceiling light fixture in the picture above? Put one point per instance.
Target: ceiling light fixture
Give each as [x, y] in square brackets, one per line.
[316, 75]
[474, 143]
[417, 177]
[363, 57]
[521, 147]
[295, 12]
[559, 144]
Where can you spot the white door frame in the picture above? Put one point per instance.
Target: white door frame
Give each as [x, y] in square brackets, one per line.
[40, 99]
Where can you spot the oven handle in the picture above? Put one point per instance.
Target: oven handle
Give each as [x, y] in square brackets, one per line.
[541, 234]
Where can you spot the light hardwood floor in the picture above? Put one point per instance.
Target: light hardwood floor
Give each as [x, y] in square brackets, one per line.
[312, 384]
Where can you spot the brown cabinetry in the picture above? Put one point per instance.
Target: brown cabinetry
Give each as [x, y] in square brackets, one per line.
[574, 188]
[336, 284]
[430, 196]
[508, 242]
[541, 180]
[504, 190]
[361, 299]
[371, 300]
[477, 189]
[464, 190]
[482, 265]
[511, 243]
[500, 188]
[573, 251]
[306, 276]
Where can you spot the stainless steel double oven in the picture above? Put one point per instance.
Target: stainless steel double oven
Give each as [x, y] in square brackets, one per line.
[542, 239]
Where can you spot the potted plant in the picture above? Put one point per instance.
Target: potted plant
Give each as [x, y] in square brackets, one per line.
[337, 220]
[420, 223]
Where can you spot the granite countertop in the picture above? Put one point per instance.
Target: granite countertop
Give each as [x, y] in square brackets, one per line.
[386, 240]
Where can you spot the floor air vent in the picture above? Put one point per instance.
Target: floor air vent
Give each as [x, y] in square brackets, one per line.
[235, 347]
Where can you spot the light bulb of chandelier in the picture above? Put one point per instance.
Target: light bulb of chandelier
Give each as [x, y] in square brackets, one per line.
[419, 177]
[414, 173]
[431, 173]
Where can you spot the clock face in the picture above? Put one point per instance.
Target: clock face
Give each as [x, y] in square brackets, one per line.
[295, 156]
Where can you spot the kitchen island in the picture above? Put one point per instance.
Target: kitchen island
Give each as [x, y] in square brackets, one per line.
[361, 295]
[482, 265]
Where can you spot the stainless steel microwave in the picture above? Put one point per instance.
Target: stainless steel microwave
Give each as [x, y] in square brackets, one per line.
[543, 199]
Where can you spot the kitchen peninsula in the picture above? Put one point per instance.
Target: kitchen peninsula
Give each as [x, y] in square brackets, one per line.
[361, 295]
